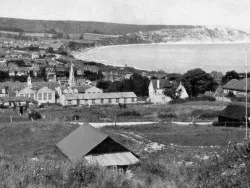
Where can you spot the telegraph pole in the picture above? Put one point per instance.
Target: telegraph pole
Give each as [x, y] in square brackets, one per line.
[246, 96]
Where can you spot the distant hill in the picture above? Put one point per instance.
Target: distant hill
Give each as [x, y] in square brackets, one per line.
[69, 27]
[195, 34]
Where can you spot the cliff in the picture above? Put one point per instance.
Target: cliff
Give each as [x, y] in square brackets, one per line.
[196, 34]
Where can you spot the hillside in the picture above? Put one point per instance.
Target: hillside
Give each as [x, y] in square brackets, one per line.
[69, 27]
[195, 34]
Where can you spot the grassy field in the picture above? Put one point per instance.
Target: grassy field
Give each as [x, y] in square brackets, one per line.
[164, 148]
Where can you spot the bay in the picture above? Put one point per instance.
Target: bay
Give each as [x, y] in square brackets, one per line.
[173, 57]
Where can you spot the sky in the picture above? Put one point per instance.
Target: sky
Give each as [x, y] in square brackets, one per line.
[226, 13]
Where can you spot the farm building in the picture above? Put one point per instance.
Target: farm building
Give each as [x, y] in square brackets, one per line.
[233, 115]
[90, 144]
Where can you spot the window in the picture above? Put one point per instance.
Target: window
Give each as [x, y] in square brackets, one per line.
[32, 95]
[120, 170]
[114, 168]
[69, 102]
[27, 95]
[117, 100]
[86, 101]
[125, 100]
[110, 101]
[21, 95]
[102, 101]
[45, 96]
[93, 101]
[50, 96]
[133, 99]
[39, 96]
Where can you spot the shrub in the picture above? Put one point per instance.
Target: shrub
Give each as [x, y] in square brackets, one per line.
[202, 98]
[177, 101]
[209, 115]
[34, 115]
[129, 113]
[165, 115]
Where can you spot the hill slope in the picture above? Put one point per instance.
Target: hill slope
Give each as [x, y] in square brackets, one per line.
[13, 24]
[195, 34]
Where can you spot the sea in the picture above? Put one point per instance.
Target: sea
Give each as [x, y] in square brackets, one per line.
[171, 58]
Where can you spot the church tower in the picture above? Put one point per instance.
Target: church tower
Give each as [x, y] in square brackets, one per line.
[71, 80]
[29, 82]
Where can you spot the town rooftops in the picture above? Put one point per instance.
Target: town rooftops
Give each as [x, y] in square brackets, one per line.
[110, 95]
[239, 85]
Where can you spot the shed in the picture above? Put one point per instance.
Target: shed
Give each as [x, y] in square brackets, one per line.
[96, 147]
[233, 114]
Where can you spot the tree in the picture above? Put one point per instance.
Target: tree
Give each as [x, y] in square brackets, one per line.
[174, 76]
[197, 81]
[4, 76]
[103, 84]
[229, 76]
[140, 84]
[81, 37]
[50, 50]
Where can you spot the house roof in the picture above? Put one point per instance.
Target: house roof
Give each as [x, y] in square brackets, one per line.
[109, 95]
[81, 141]
[235, 111]
[163, 83]
[239, 85]
[95, 146]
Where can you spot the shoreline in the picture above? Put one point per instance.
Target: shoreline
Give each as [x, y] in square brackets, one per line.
[80, 53]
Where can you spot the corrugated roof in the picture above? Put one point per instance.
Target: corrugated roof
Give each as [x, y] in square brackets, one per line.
[113, 159]
[109, 95]
[78, 143]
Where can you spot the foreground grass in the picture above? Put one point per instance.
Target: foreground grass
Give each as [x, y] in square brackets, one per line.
[230, 169]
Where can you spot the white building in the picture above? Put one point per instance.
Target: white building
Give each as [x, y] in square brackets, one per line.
[41, 94]
[156, 91]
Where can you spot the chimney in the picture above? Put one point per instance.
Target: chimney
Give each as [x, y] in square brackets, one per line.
[158, 84]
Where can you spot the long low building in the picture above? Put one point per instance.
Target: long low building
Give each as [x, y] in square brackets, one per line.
[98, 98]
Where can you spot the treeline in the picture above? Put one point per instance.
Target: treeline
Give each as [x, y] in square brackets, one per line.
[137, 84]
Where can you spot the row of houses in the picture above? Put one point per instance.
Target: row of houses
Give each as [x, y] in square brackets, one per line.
[46, 92]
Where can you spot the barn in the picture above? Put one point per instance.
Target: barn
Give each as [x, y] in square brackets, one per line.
[90, 144]
[233, 115]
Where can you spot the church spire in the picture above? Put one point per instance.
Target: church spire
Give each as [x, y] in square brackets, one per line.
[71, 80]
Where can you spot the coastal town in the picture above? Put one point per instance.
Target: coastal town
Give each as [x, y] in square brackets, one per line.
[120, 103]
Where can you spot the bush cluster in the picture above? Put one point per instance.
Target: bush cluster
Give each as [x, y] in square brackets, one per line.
[129, 113]
[34, 115]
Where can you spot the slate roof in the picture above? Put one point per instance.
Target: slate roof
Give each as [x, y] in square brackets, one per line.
[235, 111]
[239, 85]
[164, 83]
[80, 142]
[86, 139]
